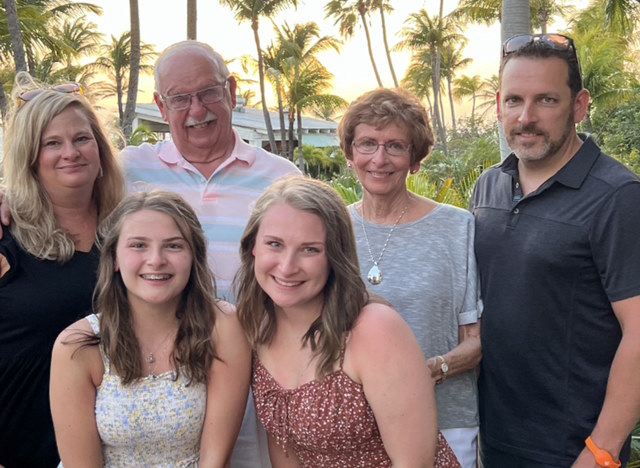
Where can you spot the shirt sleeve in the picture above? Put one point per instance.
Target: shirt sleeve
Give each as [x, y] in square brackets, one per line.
[614, 237]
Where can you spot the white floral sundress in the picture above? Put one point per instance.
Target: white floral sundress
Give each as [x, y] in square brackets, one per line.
[155, 422]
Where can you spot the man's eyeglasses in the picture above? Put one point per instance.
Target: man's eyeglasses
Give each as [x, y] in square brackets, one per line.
[209, 95]
[553, 41]
[392, 148]
[68, 88]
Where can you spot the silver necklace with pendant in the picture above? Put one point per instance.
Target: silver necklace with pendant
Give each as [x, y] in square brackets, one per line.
[375, 273]
[151, 359]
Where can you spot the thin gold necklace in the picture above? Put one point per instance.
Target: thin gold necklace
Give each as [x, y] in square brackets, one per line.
[375, 273]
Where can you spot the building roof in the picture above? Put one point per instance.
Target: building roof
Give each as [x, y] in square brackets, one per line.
[250, 125]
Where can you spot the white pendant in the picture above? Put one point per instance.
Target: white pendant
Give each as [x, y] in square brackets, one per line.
[375, 275]
[150, 359]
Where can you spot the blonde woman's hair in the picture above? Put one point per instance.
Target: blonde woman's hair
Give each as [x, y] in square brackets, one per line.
[33, 222]
[193, 350]
[344, 293]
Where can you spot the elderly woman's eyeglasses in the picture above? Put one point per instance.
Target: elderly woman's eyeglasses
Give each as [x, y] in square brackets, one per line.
[209, 95]
[67, 88]
[552, 41]
[392, 148]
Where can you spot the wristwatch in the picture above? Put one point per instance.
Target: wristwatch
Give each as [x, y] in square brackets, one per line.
[444, 368]
[603, 458]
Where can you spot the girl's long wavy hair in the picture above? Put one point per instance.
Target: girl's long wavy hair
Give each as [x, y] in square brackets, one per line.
[193, 350]
[344, 293]
[34, 225]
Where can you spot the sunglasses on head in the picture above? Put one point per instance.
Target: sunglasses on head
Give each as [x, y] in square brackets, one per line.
[552, 41]
[67, 88]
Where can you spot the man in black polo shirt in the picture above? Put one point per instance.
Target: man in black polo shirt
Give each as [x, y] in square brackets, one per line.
[557, 242]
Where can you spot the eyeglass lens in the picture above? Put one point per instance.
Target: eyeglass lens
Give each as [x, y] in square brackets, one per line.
[394, 148]
[206, 96]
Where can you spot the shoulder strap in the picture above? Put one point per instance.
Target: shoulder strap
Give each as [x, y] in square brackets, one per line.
[343, 348]
[94, 321]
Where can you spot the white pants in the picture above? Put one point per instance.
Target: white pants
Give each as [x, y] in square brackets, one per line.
[464, 443]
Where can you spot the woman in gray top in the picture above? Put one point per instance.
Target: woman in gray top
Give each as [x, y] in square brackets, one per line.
[417, 253]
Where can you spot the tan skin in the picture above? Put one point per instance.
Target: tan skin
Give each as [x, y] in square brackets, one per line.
[535, 92]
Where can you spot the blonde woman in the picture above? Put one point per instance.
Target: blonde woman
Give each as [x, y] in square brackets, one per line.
[62, 179]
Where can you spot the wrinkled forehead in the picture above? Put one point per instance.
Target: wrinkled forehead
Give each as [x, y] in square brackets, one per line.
[185, 65]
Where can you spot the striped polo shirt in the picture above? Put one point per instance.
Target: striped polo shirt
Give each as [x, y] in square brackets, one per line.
[222, 202]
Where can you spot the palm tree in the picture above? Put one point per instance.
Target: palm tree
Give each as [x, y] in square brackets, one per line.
[346, 15]
[36, 21]
[385, 6]
[192, 19]
[115, 60]
[273, 61]
[621, 15]
[515, 20]
[466, 86]
[435, 33]
[15, 35]
[134, 70]
[77, 39]
[417, 77]
[605, 60]
[488, 94]
[452, 60]
[252, 11]
[304, 77]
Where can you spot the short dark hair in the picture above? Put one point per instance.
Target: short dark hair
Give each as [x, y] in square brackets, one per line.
[538, 49]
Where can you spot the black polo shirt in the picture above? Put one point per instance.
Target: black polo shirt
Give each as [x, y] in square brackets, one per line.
[551, 263]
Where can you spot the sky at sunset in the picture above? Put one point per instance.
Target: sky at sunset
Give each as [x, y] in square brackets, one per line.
[163, 22]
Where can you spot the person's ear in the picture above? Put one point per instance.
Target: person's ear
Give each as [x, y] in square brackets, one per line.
[160, 104]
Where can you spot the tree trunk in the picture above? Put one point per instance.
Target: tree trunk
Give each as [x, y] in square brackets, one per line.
[119, 92]
[453, 113]
[134, 70]
[300, 155]
[265, 109]
[283, 127]
[366, 32]
[473, 110]
[3, 105]
[15, 35]
[435, 84]
[386, 47]
[292, 116]
[444, 124]
[192, 19]
[515, 20]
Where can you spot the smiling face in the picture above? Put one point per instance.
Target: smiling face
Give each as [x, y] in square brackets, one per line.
[154, 260]
[291, 264]
[537, 110]
[380, 173]
[68, 157]
[199, 129]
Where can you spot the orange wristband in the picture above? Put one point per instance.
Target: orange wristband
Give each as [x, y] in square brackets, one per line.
[603, 458]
